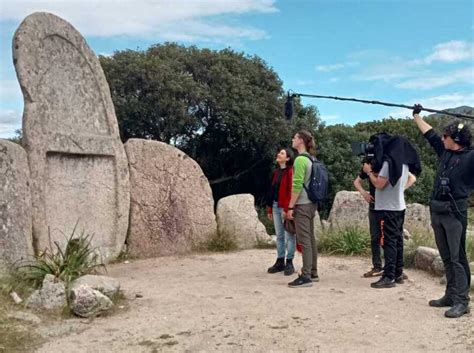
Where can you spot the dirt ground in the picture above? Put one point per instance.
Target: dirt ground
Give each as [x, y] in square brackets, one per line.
[227, 302]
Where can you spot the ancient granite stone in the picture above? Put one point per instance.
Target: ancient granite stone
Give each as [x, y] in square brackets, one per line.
[424, 257]
[172, 208]
[77, 161]
[15, 205]
[418, 219]
[88, 302]
[238, 220]
[349, 209]
[108, 286]
[52, 295]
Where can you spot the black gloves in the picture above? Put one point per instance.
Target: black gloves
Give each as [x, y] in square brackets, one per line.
[417, 109]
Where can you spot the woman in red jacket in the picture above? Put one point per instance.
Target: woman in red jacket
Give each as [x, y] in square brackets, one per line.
[277, 203]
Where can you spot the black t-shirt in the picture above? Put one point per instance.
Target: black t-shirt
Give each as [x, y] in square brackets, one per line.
[276, 185]
[363, 175]
[458, 166]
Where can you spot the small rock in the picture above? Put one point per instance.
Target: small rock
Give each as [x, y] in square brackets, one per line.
[401, 298]
[16, 298]
[28, 317]
[126, 262]
[424, 257]
[437, 266]
[88, 302]
[52, 295]
[406, 234]
[106, 285]
[138, 295]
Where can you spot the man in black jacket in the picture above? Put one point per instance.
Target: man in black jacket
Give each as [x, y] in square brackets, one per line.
[449, 202]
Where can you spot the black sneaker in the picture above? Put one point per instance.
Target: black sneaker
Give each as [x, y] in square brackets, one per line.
[384, 282]
[374, 272]
[315, 278]
[289, 268]
[441, 302]
[279, 266]
[301, 282]
[401, 279]
[457, 310]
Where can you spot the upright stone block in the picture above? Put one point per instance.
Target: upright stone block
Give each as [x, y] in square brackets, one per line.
[15, 205]
[77, 162]
[172, 209]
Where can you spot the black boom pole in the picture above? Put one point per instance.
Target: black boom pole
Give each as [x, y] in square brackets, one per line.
[291, 95]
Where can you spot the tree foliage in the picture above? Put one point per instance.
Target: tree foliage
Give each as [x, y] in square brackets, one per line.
[225, 110]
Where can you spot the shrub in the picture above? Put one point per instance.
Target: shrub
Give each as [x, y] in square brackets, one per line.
[263, 217]
[77, 259]
[222, 242]
[350, 241]
[417, 239]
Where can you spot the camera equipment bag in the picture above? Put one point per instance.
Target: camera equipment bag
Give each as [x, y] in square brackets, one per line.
[318, 188]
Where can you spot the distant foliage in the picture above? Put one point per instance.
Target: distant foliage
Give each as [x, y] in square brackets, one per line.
[225, 109]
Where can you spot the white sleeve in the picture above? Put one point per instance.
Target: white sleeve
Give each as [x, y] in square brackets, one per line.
[384, 172]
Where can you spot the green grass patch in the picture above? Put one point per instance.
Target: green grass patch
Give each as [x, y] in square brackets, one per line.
[417, 239]
[15, 336]
[350, 241]
[222, 242]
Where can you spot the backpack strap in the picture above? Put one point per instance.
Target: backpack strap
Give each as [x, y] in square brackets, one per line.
[307, 155]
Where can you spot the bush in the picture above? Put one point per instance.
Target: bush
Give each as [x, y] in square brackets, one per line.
[77, 259]
[263, 217]
[418, 239]
[222, 242]
[351, 241]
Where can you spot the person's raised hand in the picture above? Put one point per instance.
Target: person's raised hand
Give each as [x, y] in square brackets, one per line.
[417, 109]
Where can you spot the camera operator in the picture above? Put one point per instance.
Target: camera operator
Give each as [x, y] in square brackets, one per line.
[394, 158]
[374, 219]
[454, 183]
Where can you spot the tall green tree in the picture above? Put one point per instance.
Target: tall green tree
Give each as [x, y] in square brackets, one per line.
[223, 108]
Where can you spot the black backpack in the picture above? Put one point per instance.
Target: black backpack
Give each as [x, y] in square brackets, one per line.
[318, 189]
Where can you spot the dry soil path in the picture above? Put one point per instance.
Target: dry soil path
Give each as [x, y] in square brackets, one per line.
[227, 302]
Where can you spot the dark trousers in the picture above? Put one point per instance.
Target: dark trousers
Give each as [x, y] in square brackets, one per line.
[450, 235]
[304, 225]
[391, 229]
[374, 226]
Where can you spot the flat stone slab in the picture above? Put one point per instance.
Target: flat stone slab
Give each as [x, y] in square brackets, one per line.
[16, 243]
[172, 208]
[77, 162]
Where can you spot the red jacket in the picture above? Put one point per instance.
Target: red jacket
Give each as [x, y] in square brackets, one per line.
[284, 193]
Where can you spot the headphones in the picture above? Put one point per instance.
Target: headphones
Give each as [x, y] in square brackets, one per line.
[456, 135]
[455, 132]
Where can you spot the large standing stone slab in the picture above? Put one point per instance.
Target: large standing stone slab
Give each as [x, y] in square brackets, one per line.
[418, 219]
[349, 209]
[172, 208]
[16, 243]
[238, 220]
[77, 161]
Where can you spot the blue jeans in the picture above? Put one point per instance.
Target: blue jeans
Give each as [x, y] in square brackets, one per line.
[284, 238]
